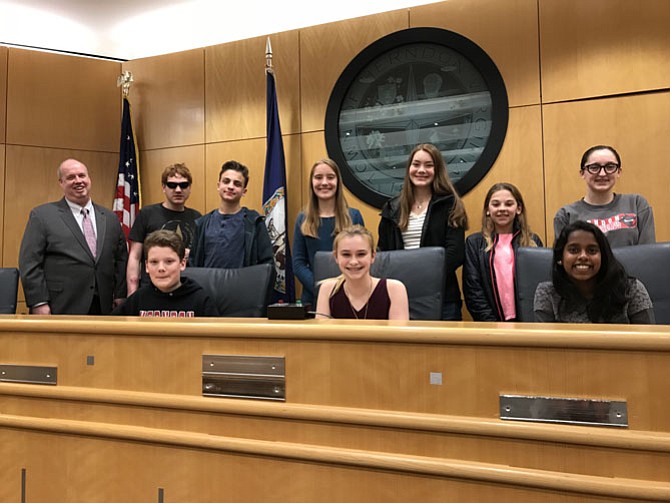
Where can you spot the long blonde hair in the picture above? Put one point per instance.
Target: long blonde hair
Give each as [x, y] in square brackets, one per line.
[442, 185]
[488, 227]
[310, 226]
[349, 232]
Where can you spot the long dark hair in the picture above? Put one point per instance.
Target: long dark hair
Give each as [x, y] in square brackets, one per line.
[442, 185]
[611, 286]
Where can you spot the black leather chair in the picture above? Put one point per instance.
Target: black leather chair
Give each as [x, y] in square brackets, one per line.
[649, 263]
[421, 270]
[239, 293]
[9, 288]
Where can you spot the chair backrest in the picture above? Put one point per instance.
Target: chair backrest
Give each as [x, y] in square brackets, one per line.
[240, 293]
[532, 267]
[649, 263]
[421, 270]
[9, 287]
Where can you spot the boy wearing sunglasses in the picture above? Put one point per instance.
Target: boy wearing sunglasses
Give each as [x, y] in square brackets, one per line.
[172, 214]
[626, 219]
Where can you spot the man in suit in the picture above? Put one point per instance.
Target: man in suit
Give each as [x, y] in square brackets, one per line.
[73, 253]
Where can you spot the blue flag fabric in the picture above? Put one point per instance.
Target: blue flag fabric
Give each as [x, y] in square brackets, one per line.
[275, 199]
[127, 199]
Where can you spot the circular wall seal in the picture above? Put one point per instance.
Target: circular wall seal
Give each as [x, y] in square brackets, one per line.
[421, 85]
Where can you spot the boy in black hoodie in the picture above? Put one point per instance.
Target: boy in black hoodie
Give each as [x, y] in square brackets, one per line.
[169, 295]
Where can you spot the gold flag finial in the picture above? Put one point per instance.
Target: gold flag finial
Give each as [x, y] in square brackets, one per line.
[124, 81]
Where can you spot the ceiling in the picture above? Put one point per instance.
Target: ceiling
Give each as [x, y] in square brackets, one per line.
[132, 29]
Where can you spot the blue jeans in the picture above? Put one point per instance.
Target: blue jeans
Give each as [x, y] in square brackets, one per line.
[451, 310]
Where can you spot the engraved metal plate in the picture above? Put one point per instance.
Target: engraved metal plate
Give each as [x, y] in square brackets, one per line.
[259, 377]
[30, 374]
[564, 410]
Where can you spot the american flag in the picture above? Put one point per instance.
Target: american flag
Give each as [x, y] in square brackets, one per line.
[127, 199]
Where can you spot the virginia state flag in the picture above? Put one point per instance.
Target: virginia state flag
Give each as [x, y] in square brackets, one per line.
[127, 199]
[274, 199]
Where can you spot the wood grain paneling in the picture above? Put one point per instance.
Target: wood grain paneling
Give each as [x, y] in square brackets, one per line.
[603, 47]
[153, 162]
[62, 101]
[99, 470]
[507, 31]
[28, 168]
[637, 126]
[358, 396]
[326, 50]
[251, 153]
[519, 163]
[235, 87]
[2, 197]
[168, 99]
[3, 91]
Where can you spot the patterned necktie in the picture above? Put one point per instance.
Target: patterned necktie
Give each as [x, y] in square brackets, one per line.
[89, 233]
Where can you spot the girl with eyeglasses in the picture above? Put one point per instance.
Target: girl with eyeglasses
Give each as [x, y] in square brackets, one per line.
[589, 285]
[626, 219]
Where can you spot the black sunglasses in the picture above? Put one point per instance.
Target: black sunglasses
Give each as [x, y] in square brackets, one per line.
[174, 185]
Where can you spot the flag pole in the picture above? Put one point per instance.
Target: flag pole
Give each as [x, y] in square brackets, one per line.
[127, 196]
[275, 207]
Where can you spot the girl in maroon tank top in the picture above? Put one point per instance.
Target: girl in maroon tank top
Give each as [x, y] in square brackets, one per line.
[355, 294]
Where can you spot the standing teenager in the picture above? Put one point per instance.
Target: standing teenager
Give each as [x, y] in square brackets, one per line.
[326, 214]
[490, 255]
[428, 212]
[626, 219]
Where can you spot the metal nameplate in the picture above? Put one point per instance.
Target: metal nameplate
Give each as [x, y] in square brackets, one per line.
[259, 377]
[579, 411]
[30, 374]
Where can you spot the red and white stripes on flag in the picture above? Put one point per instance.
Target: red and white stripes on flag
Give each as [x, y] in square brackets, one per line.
[127, 199]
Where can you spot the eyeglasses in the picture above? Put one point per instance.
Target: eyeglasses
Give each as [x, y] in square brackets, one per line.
[594, 169]
[181, 185]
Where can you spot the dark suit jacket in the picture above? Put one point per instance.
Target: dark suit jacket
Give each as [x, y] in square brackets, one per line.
[58, 267]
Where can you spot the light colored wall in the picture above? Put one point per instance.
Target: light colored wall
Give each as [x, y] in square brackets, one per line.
[577, 73]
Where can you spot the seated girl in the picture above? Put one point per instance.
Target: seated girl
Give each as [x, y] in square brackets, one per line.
[490, 255]
[355, 294]
[589, 285]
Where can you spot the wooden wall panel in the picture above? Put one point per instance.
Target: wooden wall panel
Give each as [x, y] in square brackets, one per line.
[637, 126]
[235, 87]
[506, 29]
[153, 162]
[251, 153]
[603, 47]
[30, 167]
[168, 99]
[3, 91]
[520, 163]
[327, 49]
[62, 101]
[79, 468]
[2, 197]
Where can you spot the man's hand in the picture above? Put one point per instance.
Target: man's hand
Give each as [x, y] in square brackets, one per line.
[43, 309]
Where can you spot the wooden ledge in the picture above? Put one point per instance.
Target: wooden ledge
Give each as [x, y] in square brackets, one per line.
[611, 337]
[459, 425]
[426, 466]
